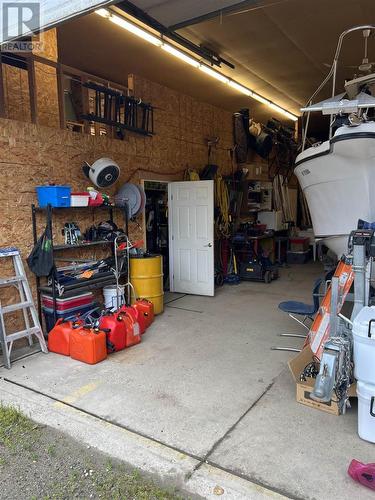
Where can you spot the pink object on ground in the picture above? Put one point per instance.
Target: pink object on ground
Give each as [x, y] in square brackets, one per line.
[362, 473]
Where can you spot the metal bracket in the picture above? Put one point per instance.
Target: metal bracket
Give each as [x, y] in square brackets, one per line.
[325, 381]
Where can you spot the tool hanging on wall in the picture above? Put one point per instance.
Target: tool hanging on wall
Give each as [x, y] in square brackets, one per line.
[212, 143]
[261, 139]
[132, 199]
[115, 109]
[241, 134]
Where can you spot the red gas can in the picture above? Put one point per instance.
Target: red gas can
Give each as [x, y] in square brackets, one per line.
[145, 309]
[137, 317]
[117, 331]
[59, 336]
[88, 345]
[133, 335]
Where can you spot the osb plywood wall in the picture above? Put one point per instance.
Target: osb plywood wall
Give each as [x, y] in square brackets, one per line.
[182, 125]
[46, 81]
[47, 103]
[16, 93]
[48, 45]
[16, 86]
[32, 155]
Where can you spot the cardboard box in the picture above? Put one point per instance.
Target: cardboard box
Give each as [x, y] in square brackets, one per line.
[304, 389]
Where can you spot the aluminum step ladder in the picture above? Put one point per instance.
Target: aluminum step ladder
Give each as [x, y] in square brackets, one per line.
[26, 305]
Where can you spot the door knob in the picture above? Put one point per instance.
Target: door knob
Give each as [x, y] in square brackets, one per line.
[209, 245]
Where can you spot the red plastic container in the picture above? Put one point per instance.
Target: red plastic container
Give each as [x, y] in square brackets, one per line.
[88, 345]
[117, 326]
[79, 300]
[299, 244]
[134, 313]
[145, 309]
[59, 337]
[133, 335]
[97, 202]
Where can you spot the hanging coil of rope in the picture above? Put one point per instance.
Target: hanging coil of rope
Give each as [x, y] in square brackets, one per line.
[222, 222]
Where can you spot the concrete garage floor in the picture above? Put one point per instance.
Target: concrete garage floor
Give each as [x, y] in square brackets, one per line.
[205, 383]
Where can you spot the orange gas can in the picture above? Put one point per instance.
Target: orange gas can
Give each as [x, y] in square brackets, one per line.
[146, 309]
[59, 336]
[88, 345]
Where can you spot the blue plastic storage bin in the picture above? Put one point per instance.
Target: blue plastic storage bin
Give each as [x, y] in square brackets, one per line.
[56, 196]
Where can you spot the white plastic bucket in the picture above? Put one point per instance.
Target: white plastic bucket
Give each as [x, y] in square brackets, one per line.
[364, 345]
[366, 411]
[111, 293]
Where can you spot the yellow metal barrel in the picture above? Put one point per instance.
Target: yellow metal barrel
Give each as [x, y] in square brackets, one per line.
[146, 276]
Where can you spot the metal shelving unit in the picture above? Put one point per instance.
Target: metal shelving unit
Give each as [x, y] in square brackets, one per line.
[82, 245]
[81, 285]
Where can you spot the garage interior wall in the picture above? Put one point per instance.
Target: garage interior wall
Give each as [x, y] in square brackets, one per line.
[34, 154]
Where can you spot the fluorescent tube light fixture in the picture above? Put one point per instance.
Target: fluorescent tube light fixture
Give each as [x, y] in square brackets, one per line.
[183, 56]
[103, 13]
[215, 74]
[283, 111]
[261, 99]
[240, 88]
[180, 55]
[141, 33]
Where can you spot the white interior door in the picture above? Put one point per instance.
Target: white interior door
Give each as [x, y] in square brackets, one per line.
[191, 237]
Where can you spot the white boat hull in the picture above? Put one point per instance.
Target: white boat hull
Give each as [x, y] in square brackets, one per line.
[338, 180]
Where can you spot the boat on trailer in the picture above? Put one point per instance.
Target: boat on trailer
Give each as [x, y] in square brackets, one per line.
[338, 176]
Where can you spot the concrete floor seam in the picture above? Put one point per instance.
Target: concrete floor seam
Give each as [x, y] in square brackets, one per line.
[174, 300]
[253, 480]
[231, 428]
[184, 309]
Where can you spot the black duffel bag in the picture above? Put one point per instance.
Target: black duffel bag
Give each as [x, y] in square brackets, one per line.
[40, 260]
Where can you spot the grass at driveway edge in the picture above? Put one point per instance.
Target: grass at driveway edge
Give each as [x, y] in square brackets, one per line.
[51, 465]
